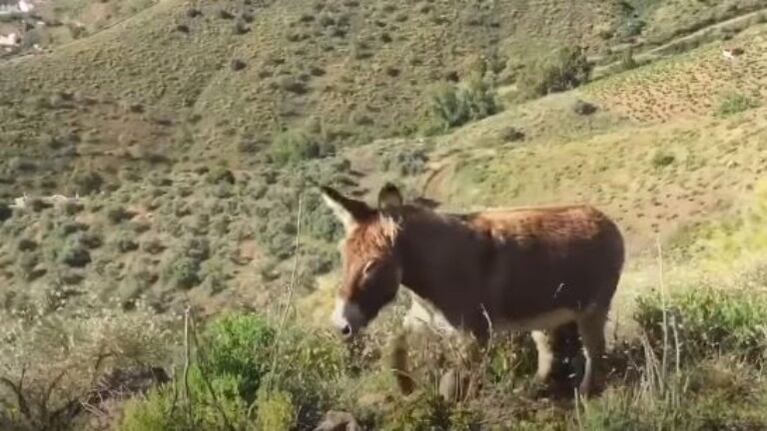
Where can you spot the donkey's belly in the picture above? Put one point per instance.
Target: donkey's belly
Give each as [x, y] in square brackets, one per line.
[547, 320]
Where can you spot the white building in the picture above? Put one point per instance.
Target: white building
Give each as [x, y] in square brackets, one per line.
[12, 39]
[14, 7]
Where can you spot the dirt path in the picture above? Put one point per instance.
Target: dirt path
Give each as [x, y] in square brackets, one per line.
[656, 52]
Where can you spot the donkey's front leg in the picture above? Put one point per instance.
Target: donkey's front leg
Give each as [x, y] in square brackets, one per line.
[399, 363]
[545, 348]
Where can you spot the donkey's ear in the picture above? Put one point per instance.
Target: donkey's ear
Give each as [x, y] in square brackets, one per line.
[389, 197]
[349, 211]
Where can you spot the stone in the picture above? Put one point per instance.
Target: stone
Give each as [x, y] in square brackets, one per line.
[338, 421]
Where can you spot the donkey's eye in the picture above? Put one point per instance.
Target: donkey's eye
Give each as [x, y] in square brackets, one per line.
[368, 266]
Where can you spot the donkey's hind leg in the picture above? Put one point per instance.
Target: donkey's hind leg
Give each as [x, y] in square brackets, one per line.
[545, 347]
[591, 327]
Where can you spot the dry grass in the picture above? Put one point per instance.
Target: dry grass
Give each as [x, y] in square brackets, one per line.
[689, 85]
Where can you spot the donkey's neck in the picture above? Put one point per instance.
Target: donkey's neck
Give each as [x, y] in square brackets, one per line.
[442, 262]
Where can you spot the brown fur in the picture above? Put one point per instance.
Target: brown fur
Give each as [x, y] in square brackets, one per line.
[526, 269]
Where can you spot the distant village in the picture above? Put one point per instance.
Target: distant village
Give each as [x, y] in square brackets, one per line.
[10, 35]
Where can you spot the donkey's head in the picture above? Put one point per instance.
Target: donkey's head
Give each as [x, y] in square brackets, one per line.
[371, 268]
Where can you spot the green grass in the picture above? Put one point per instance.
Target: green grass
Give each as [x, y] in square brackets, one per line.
[736, 103]
[702, 370]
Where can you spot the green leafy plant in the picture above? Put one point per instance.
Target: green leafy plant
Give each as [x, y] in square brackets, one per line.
[735, 103]
[565, 69]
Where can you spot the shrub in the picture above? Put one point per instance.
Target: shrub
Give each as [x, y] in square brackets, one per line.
[69, 228]
[627, 61]
[220, 174]
[72, 208]
[90, 240]
[239, 344]
[197, 248]
[49, 368]
[662, 159]
[298, 145]
[117, 214]
[631, 28]
[455, 106]
[408, 162]
[584, 108]
[213, 407]
[29, 266]
[26, 244]
[275, 411]
[5, 212]
[707, 321]
[566, 69]
[37, 205]
[184, 272]
[735, 103]
[427, 411]
[88, 182]
[124, 243]
[290, 361]
[153, 246]
[712, 394]
[287, 375]
[75, 255]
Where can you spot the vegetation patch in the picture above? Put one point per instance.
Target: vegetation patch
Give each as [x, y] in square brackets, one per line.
[565, 69]
[736, 103]
[454, 105]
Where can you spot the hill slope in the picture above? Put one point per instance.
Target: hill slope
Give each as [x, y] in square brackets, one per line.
[170, 124]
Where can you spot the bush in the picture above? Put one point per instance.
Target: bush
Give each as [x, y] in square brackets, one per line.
[275, 411]
[89, 240]
[184, 273]
[88, 182]
[455, 106]
[714, 394]
[49, 368]
[708, 322]
[426, 412]
[288, 374]
[5, 212]
[214, 407]
[197, 248]
[117, 214]
[627, 61]
[220, 174]
[124, 243]
[74, 254]
[736, 103]
[239, 344]
[662, 159]
[26, 244]
[568, 68]
[299, 145]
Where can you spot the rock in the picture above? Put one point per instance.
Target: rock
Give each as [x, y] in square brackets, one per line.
[237, 65]
[584, 108]
[338, 421]
[448, 385]
[512, 134]
[454, 386]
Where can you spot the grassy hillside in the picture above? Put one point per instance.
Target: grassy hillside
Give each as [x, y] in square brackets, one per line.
[194, 133]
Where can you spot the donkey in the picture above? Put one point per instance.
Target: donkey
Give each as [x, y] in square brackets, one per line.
[523, 269]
